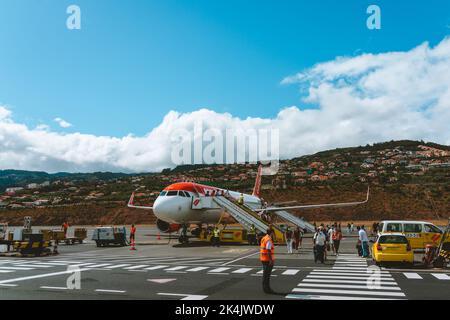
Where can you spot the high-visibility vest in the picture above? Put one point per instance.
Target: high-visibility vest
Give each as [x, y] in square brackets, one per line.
[252, 230]
[133, 230]
[263, 251]
[216, 233]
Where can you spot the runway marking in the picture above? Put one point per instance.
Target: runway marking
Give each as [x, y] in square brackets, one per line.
[290, 272]
[186, 296]
[316, 285]
[161, 281]
[350, 270]
[247, 256]
[242, 270]
[315, 272]
[8, 285]
[324, 297]
[218, 270]
[156, 267]
[412, 275]
[99, 265]
[197, 269]
[33, 266]
[117, 266]
[390, 283]
[6, 271]
[344, 277]
[136, 267]
[441, 276]
[54, 288]
[39, 276]
[353, 292]
[110, 291]
[16, 268]
[176, 268]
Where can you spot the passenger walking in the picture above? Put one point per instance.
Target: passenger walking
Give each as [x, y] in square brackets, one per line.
[132, 234]
[319, 245]
[288, 235]
[352, 228]
[337, 237]
[349, 228]
[65, 227]
[330, 237]
[362, 236]
[297, 239]
[267, 259]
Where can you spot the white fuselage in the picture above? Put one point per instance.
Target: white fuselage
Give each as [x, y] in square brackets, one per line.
[176, 206]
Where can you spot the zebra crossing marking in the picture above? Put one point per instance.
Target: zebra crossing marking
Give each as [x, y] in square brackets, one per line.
[412, 275]
[441, 276]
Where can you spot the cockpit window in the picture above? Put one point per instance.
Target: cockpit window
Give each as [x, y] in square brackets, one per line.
[162, 194]
[172, 193]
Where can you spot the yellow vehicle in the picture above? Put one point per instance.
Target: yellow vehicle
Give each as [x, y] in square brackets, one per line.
[392, 247]
[419, 233]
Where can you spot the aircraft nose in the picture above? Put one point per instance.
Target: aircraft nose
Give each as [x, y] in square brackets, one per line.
[162, 209]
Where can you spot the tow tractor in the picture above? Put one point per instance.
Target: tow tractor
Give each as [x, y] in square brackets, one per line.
[439, 256]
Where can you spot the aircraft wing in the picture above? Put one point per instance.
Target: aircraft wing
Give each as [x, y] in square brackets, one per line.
[326, 205]
[131, 204]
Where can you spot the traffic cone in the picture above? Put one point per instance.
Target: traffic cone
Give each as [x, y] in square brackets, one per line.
[159, 236]
[133, 245]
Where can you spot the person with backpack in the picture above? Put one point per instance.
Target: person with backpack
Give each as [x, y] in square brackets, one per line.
[337, 237]
[319, 245]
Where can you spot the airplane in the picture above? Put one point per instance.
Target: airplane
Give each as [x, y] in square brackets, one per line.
[175, 209]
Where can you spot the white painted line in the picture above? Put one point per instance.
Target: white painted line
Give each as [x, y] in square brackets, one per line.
[412, 275]
[351, 270]
[230, 262]
[344, 277]
[389, 283]
[220, 273]
[117, 266]
[441, 276]
[39, 276]
[6, 271]
[54, 288]
[290, 272]
[350, 274]
[8, 285]
[156, 267]
[186, 296]
[99, 265]
[16, 268]
[242, 270]
[218, 270]
[137, 267]
[109, 291]
[197, 269]
[346, 286]
[176, 268]
[323, 297]
[354, 292]
[32, 266]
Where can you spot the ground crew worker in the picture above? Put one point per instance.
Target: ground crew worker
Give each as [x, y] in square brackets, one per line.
[251, 236]
[132, 233]
[215, 240]
[267, 260]
[65, 226]
[241, 199]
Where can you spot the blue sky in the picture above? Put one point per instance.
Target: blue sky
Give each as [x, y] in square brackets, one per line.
[134, 61]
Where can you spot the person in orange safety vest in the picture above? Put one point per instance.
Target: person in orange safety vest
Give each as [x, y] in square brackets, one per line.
[267, 260]
[132, 233]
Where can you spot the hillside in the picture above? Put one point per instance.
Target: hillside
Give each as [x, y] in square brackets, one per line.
[408, 179]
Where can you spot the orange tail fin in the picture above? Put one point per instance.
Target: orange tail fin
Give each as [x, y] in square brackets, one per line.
[257, 187]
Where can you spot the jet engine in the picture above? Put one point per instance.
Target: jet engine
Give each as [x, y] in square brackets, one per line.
[166, 227]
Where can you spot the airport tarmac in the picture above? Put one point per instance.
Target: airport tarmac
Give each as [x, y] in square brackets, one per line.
[168, 271]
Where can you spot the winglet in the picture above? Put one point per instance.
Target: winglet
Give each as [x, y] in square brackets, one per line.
[257, 187]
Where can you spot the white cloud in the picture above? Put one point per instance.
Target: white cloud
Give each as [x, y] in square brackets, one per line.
[363, 99]
[62, 123]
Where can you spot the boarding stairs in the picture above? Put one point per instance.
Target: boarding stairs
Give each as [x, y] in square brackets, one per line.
[286, 216]
[247, 217]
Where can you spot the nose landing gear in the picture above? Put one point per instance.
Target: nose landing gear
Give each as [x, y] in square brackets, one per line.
[183, 238]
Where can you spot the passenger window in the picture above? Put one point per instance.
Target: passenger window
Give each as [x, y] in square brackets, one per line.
[394, 227]
[412, 227]
[172, 193]
[432, 229]
[162, 194]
